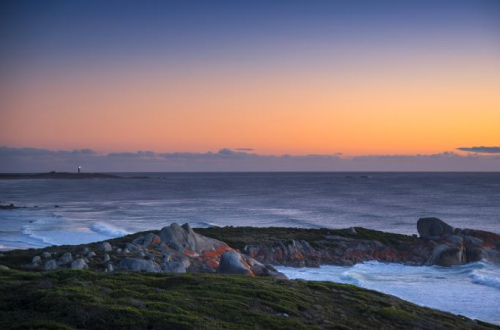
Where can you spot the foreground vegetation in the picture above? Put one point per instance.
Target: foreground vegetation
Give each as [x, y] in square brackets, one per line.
[91, 300]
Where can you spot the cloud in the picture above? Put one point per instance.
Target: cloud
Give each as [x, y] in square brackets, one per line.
[485, 150]
[226, 159]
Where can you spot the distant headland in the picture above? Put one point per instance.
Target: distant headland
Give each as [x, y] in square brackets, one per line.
[56, 175]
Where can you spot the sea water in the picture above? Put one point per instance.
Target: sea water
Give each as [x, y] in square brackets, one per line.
[472, 290]
[98, 209]
[81, 211]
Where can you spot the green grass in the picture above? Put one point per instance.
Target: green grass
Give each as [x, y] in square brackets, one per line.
[92, 300]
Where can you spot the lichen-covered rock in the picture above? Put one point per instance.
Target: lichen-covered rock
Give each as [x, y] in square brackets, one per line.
[137, 265]
[184, 239]
[231, 262]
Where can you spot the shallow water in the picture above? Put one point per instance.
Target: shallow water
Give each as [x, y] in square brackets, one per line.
[471, 290]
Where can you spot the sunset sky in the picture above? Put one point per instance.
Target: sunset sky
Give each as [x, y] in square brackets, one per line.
[278, 77]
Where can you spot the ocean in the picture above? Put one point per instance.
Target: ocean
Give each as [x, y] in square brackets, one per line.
[82, 211]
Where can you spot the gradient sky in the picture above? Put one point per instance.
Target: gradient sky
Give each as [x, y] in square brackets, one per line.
[280, 77]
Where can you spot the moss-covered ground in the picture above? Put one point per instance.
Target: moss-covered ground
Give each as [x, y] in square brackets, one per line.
[91, 300]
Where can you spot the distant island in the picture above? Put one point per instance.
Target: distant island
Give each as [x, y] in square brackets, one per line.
[56, 175]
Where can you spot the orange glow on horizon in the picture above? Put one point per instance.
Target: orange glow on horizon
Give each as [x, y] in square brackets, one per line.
[399, 110]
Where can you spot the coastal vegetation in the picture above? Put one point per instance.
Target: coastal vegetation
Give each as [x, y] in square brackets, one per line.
[68, 299]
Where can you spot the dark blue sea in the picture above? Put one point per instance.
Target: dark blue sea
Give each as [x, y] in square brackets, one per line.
[94, 210]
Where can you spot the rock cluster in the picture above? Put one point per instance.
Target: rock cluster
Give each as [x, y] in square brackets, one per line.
[176, 249]
[455, 246]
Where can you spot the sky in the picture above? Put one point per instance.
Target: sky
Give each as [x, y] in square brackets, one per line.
[318, 83]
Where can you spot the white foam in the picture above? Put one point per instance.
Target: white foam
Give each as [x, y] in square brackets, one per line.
[108, 230]
[486, 278]
[472, 290]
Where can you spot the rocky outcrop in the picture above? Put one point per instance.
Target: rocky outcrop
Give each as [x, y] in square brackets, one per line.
[433, 227]
[455, 246]
[231, 262]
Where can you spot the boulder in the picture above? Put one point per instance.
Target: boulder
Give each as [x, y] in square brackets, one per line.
[137, 265]
[105, 247]
[151, 240]
[182, 238]
[65, 259]
[133, 248]
[2, 267]
[50, 265]
[231, 262]
[46, 255]
[173, 267]
[106, 258]
[36, 260]
[79, 264]
[110, 268]
[433, 227]
[90, 254]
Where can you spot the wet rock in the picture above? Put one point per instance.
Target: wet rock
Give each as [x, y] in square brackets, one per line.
[231, 262]
[79, 264]
[105, 247]
[137, 265]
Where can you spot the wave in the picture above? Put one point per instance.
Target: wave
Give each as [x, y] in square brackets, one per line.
[108, 230]
[481, 278]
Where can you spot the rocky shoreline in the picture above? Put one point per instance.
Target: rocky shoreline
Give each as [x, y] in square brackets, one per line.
[255, 251]
[139, 281]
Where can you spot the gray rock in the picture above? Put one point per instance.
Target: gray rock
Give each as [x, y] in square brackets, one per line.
[106, 258]
[173, 267]
[150, 240]
[232, 263]
[126, 250]
[119, 250]
[150, 256]
[433, 227]
[65, 259]
[36, 260]
[90, 254]
[50, 265]
[134, 248]
[105, 247]
[85, 250]
[2, 267]
[142, 254]
[137, 265]
[46, 255]
[110, 268]
[79, 264]
[183, 237]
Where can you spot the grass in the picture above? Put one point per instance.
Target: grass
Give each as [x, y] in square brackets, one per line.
[92, 300]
